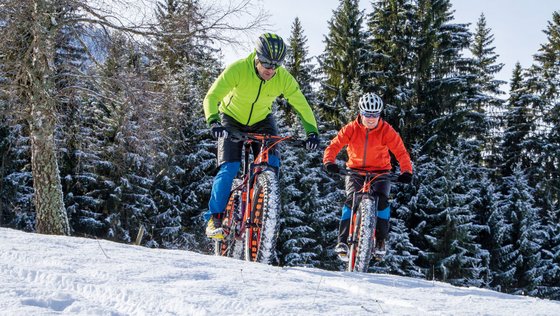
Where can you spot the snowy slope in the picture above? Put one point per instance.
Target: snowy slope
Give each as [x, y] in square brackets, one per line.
[54, 275]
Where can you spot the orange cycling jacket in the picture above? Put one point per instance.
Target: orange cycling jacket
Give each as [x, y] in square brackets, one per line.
[369, 149]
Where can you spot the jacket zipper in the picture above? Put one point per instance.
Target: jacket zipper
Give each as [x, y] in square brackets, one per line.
[229, 102]
[365, 149]
[253, 105]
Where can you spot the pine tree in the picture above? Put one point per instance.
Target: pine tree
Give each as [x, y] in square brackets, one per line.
[299, 64]
[111, 184]
[180, 64]
[182, 36]
[483, 208]
[300, 199]
[402, 254]
[417, 60]
[14, 147]
[183, 180]
[446, 229]
[548, 64]
[321, 210]
[16, 185]
[517, 235]
[390, 47]
[88, 188]
[5, 212]
[438, 86]
[483, 90]
[403, 244]
[519, 123]
[551, 256]
[546, 148]
[300, 196]
[70, 64]
[324, 217]
[168, 47]
[343, 60]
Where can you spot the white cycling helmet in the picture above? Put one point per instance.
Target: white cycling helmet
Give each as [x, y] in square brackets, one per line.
[370, 103]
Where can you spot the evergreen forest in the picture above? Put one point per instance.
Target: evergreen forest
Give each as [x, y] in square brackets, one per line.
[102, 124]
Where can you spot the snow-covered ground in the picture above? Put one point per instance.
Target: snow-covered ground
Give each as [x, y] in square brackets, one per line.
[55, 275]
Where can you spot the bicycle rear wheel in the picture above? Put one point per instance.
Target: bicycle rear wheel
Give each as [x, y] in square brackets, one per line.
[232, 244]
[362, 250]
[262, 229]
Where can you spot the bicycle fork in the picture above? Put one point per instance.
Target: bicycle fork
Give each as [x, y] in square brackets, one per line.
[352, 232]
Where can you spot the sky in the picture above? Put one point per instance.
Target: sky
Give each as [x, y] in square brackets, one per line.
[516, 24]
[58, 275]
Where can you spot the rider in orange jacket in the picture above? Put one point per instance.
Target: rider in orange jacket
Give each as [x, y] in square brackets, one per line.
[369, 140]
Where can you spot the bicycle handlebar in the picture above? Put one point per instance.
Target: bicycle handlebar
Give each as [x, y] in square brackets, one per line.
[258, 137]
[380, 175]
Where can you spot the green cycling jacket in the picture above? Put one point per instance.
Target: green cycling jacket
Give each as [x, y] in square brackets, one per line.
[240, 93]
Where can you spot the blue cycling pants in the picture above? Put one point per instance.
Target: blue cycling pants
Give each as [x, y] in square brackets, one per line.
[382, 214]
[222, 185]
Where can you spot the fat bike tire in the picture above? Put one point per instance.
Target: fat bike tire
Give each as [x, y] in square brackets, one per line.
[362, 251]
[262, 228]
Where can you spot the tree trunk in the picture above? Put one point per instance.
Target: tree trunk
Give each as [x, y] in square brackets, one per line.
[48, 198]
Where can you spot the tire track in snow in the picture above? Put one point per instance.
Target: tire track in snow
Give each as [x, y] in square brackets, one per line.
[98, 288]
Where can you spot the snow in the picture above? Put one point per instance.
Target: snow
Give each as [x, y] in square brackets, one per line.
[56, 275]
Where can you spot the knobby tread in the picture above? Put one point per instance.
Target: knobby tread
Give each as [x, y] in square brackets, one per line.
[263, 227]
[231, 246]
[363, 249]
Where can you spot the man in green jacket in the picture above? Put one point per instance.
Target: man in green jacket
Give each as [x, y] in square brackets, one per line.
[241, 100]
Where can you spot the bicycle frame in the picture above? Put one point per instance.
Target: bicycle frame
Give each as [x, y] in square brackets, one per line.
[369, 179]
[260, 163]
[245, 222]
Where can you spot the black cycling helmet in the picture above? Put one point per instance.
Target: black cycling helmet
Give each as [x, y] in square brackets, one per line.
[271, 49]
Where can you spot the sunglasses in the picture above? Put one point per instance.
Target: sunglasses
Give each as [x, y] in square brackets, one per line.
[371, 114]
[268, 65]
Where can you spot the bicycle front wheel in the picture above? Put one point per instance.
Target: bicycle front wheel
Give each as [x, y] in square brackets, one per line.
[362, 251]
[262, 229]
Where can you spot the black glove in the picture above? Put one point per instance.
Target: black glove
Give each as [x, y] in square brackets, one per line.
[332, 167]
[405, 177]
[218, 130]
[312, 141]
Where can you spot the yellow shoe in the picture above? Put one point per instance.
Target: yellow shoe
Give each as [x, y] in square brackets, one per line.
[216, 235]
[342, 250]
[214, 228]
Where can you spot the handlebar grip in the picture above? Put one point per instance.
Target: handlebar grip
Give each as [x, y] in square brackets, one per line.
[236, 137]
